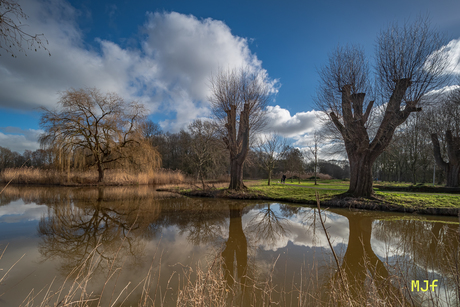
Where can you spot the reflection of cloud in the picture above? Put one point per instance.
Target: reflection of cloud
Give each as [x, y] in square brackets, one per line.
[299, 230]
[386, 250]
[17, 211]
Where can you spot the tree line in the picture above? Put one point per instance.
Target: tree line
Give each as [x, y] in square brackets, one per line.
[374, 114]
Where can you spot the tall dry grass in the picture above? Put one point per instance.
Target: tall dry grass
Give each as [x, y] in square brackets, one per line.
[207, 284]
[27, 175]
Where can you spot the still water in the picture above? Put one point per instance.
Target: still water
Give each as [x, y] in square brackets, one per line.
[136, 246]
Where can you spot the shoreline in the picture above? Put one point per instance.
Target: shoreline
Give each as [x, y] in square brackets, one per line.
[336, 202]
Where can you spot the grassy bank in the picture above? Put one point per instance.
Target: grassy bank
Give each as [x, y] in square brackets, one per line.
[332, 194]
[76, 178]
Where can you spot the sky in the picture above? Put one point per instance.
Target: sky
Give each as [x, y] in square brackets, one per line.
[163, 53]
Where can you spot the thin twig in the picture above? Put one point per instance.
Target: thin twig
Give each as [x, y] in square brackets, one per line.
[339, 269]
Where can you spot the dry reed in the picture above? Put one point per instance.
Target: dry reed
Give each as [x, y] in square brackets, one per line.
[111, 177]
[208, 286]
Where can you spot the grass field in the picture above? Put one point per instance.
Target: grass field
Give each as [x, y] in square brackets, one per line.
[330, 189]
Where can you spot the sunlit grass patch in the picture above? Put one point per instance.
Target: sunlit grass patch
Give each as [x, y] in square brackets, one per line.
[422, 200]
[281, 191]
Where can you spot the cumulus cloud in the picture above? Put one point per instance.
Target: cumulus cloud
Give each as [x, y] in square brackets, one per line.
[169, 74]
[452, 50]
[281, 121]
[187, 52]
[17, 139]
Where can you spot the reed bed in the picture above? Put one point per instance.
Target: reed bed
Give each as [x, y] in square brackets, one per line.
[207, 284]
[27, 175]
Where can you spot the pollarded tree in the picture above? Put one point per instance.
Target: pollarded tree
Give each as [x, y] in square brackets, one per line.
[105, 127]
[408, 65]
[445, 117]
[238, 99]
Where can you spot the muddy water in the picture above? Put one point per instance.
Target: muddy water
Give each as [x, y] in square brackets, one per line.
[123, 244]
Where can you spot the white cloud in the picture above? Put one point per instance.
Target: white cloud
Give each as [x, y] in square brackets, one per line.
[17, 139]
[452, 49]
[170, 74]
[281, 121]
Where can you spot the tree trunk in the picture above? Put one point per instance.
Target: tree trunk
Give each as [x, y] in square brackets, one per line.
[453, 172]
[269, 176]
[200, 174]
[236, 175]
[361, 175]
[451, 168]
[238, 145]
[316, 163]
[100, 170]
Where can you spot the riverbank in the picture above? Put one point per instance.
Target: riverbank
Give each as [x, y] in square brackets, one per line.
[113, 177]
[335, 196]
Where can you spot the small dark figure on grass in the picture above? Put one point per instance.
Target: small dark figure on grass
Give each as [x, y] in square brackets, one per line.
[283, 179]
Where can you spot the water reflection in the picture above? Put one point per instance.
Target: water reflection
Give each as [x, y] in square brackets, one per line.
[73, 228]
[235, 253]
[126, 225]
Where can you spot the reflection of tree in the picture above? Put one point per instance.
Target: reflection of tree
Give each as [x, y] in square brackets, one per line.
[201, 219]
[267, 227]
[438, 238]
[359, 254]
[360, 260]
[112, 228]
[236, 247]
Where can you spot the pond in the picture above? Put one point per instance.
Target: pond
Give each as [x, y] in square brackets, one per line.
[133, 246]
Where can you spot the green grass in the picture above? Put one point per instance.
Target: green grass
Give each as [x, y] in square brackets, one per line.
[284, 192]
[306, 193]
[422, 200]
[402, 184]
[321, 184]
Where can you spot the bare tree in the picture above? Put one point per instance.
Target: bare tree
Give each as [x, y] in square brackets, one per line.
[104, 127]
[238, 99]
[12, 34]
[313, 150]
[269, 149]
[205, 147]
[150, 130]
[408, 65]
[293, 160]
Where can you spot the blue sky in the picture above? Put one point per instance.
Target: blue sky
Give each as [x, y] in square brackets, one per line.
[162, 53]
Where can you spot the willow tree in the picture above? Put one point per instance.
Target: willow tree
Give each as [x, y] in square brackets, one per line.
[104, 126]
[238, 99]
[408, 64]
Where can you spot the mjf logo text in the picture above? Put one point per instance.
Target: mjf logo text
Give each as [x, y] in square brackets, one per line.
[415, 285]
